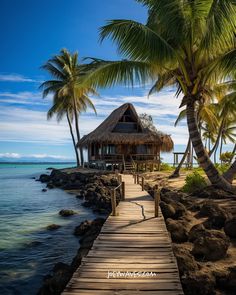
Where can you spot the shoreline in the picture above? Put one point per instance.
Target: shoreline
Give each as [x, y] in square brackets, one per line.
[95, 189]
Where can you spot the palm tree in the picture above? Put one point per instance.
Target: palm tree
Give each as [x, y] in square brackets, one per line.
[69, 92]
[192, 42]
[205, 116]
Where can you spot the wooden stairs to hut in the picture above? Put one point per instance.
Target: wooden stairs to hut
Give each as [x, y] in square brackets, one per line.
[131, 244]
[128, 167]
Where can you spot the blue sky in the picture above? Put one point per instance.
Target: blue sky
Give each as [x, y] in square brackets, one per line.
[33, 31]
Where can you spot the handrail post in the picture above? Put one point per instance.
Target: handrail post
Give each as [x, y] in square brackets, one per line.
[123, 190]
[113, 202]
[156, 201]
[142, 183]
[137, 179]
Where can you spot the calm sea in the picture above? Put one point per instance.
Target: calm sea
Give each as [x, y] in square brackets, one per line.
[27, 250]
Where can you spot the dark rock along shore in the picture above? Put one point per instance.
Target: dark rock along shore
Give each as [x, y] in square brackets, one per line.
[95, 190]
[202, 233]
[203, 236]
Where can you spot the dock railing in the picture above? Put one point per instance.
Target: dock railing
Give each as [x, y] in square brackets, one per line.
[156, 191]
[121, 187]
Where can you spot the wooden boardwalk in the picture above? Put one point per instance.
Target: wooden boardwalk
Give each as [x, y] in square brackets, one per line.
[133, 249]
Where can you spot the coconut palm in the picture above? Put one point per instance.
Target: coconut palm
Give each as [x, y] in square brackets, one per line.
[205, 117]
[192, 40]
[69, 93]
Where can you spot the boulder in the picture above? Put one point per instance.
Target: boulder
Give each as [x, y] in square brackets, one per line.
[82, 228]
[180, 209]
[44, 178]
[196, 232]
[53, 226]
[185, 260]
[178, 230]
[230, 228]
[221, 278]
[213, 245]
[217, 216]
[212, 192]
[198, 283]
[44, 190]
[231, 280]
[67, 212]
[168, 210]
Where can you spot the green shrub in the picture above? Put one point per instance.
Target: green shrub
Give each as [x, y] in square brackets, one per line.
[165, 167]
[194, 182]
[222, 168]
[226, 157]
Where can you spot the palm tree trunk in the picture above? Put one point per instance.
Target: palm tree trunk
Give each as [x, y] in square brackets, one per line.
[233, 154]
[230, 173]
[221, 146]
[175, 174]
[73, 139]
[77, 128]
[215, 146]
[203, 157]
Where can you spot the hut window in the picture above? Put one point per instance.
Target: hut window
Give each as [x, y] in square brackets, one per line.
[142, 149]
[110, 149]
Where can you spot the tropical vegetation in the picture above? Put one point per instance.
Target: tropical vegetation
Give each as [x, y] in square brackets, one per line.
[70, 95]
[189, 44]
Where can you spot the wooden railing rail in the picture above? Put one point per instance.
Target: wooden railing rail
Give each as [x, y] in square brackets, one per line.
[156, 192]
[121, 186]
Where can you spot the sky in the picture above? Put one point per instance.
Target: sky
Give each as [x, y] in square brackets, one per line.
[31, 32]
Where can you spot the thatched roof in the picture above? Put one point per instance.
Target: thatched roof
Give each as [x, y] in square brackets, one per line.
[104, 133]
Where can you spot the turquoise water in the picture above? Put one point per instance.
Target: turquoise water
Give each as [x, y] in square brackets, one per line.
[27, 250]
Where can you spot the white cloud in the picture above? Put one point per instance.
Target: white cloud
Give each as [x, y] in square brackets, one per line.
[33, 156]
[26, 125]
[10, 155]
[25, 98]
[15, 78]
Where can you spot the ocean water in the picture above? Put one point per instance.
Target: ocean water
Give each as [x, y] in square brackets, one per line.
[27, 250]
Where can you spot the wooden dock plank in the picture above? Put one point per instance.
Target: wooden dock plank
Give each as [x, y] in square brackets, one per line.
[132, 242]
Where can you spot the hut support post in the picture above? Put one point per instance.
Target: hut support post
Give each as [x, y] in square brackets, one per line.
[142, 183]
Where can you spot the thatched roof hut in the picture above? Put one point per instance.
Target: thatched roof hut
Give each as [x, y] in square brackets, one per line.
[111, 131]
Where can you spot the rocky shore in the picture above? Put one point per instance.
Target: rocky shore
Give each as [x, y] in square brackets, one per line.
[202, 231]
[95, 191]
[93, 188]
[203, 235]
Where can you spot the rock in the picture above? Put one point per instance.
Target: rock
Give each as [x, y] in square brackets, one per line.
[44, 190]
[217, 216]
[80, 196]
[230, 228]
[177, 229]
[67, 212]
[53, 226]
[87, 204]
[180, 209]
[196, 232]
[44, 178]
[231, 279]
[213, 245]
[56, 283]
[185, 260]
[82, 228]
[221, 277]
[50, 185]
[198, 283]
[168, 210]
[212, 192]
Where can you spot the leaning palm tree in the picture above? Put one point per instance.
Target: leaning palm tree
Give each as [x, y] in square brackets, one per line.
[192, 42]
[70, 94]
